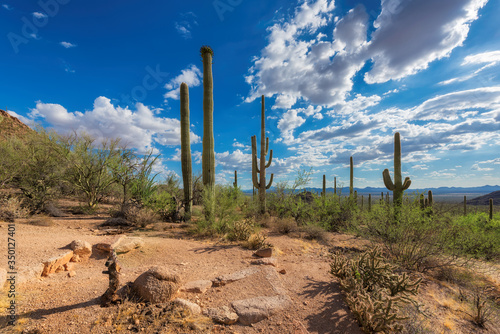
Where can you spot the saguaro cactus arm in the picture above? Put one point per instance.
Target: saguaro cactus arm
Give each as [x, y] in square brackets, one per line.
[387, 180]
[270, 181]
[270, 159]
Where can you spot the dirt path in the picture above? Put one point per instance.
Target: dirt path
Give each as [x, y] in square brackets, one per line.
[62, 304]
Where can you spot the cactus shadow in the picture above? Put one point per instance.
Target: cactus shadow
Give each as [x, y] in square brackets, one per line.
[334, 316]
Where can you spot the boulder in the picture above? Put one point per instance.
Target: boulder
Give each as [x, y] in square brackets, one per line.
[192, 307]
[200, 286]
[125, 244]
[157, 285]
[70, 266]
[81, 250]
[256, 309]
[264, 252]
[53, 264]
[222, 315]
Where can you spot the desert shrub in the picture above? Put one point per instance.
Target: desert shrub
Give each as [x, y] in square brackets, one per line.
[256, 241]
[478, 236]
[373, 291]
[141, 217]
[11, 208]
[285, 225]
[481, 308]
[162, 203]
[241, 230]
[415, 240]
[314, 232]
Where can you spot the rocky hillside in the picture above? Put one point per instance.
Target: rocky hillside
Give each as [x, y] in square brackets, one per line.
[11, 126]
[485, 199]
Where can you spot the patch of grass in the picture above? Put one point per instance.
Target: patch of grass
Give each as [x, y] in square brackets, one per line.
[41, 221]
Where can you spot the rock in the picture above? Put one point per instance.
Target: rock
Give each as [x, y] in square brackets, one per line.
[125, 244]
[105, 247]
[72, 273]
[26, 274]
[200, 286]
[52, 264]
[256, 309]
[81, 250]
[282, 271]
[268, 261]
[192, 307]
[3, 277]
[224, 279]
[222, 315]
[157, 285]
[264, 252]
[70, 266]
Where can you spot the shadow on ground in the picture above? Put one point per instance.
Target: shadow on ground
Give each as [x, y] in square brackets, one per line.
[332, 317]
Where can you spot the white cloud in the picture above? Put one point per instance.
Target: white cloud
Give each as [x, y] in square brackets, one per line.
[480, 169]
[39, 15]
[191, 76]
[485, 57]
[6, 6]
[411, 34]
[141, 129]
[185, 26]
[67, 45]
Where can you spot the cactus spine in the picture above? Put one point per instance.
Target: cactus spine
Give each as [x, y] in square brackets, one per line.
[235, 183]
[351, 182]
[264, 147]
[187, 174]
[208, 155]
[398, 186]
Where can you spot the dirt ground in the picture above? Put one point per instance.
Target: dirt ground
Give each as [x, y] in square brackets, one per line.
[62, 304]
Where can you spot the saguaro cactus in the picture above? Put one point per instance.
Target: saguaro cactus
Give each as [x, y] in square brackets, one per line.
[351, 182]
[335, 185]
[264, 147]
[187, 174]
[491, 208]
[208, 155]
[235, 183]
[430, 199]
[324, 186]
[398, 187]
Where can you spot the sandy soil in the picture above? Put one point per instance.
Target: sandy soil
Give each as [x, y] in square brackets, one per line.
[62, 304]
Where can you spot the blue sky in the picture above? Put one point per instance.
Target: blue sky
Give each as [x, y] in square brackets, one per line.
[340, 77]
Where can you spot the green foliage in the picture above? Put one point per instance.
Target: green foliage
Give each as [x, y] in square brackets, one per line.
[373, 291]
[41, 164]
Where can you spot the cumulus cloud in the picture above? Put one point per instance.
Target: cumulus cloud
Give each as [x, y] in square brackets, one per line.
[141, 128]
[411, 34]
[302, 63]
[67, 45]
[480, 169]
[191, 76]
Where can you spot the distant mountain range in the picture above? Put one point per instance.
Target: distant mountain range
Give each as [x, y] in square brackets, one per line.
[11, 126]
[485, 199]
[435, 191]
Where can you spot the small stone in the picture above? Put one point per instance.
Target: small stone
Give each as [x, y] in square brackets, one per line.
[194, 308]
[256, 309]
[268, 261]
[200, 286]
[282, 271]
[126, 244]
[70, 266]
[264, 252]
[72, 274]
[221, 315]
[157, 285]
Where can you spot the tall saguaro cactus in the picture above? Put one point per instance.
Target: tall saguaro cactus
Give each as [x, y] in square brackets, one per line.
[187, 174]
[235, 183]
[398, 187]
[208, 155]
[351, 182]
[323, 193]
[260, 183]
